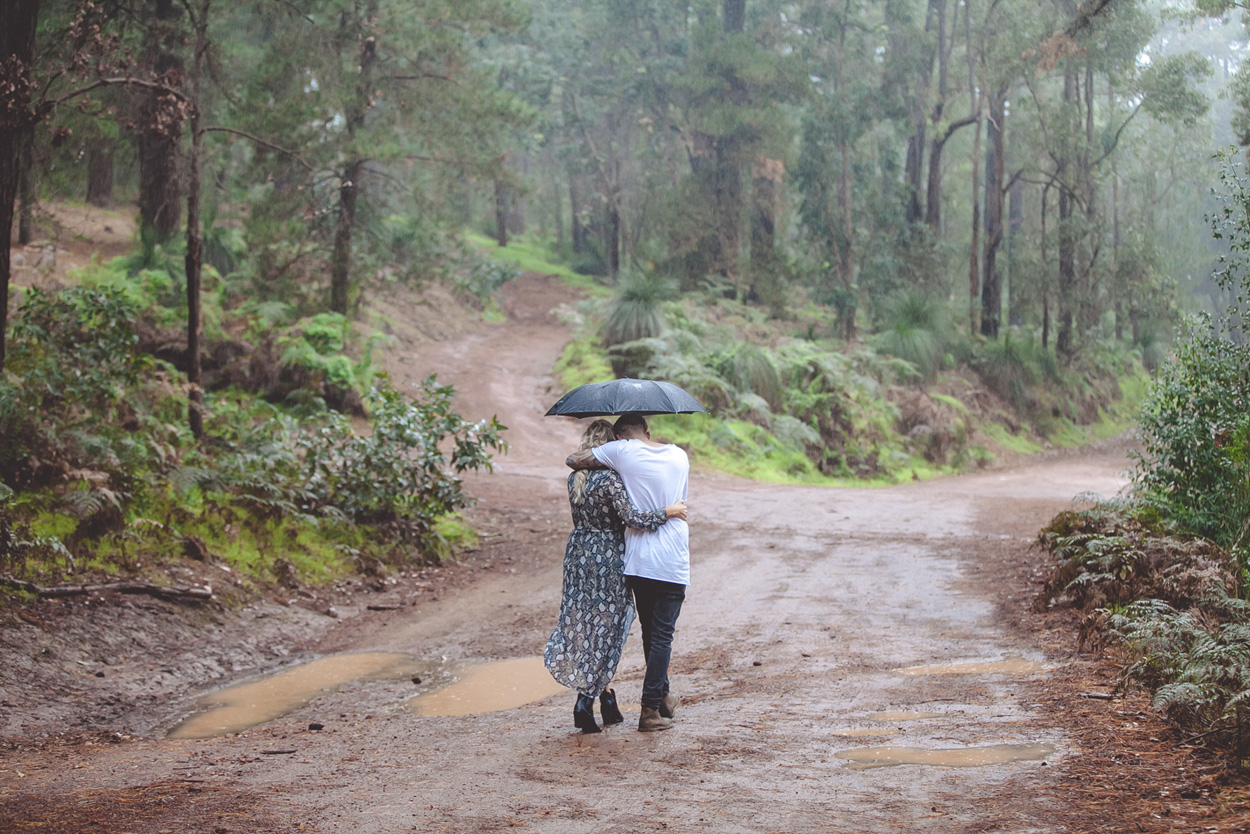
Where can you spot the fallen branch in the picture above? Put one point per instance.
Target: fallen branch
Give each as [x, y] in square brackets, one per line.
[163, 591]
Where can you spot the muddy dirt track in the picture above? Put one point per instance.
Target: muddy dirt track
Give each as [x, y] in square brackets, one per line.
[821, 626]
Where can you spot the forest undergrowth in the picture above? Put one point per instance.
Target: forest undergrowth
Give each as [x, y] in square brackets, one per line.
[791, 402]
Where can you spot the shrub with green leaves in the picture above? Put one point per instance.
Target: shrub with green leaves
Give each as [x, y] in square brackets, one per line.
[75, 395]
[1195, 461]
[405, 473]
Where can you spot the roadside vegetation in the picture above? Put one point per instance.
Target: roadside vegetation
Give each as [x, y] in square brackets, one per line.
[1163, 575]
[312, 464]
[790, 401]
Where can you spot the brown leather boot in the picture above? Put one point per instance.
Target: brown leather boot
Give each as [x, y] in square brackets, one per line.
[651, 720]
[669, 704]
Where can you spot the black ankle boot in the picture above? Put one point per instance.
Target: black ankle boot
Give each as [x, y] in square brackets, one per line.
[584, 714]
[607, 706]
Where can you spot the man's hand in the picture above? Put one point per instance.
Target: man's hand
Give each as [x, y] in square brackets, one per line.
[585, 459]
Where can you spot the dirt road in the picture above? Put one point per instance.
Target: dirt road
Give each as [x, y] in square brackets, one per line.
[822, 626]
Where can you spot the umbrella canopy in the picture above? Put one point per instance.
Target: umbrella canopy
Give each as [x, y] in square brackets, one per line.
[625, 396]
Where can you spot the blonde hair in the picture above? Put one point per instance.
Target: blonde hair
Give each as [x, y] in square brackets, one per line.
[596, 434]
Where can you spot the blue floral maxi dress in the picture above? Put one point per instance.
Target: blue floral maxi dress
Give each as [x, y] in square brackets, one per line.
[596, 610]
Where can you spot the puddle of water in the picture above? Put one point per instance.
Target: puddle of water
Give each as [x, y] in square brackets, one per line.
[861, 732]
[903, 716]
[247, 704]
[870, 757]
[489, 687]
[1008, 666]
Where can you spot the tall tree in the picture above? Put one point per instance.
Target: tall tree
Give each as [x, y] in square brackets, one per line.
[18, 20]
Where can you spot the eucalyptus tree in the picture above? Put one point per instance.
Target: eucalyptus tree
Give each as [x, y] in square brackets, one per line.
[853, 95]
[1081, 135]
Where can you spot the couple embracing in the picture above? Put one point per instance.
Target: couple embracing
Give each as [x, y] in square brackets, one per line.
[621, 559]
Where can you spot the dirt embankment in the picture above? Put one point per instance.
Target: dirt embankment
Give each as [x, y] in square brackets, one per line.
[828, 636]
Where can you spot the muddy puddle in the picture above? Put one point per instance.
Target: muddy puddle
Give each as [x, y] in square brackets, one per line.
[253, 702]
[1007, 666]
[452, 689]
[488, 687]
[994, 754]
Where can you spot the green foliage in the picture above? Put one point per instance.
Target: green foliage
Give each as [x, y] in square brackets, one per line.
[1014, 367]
[916, 329]
[1201, 674]
[313, 349]
[404, 474]
[582, 362]
[1195, 461]
[636, 310]
[75, 397]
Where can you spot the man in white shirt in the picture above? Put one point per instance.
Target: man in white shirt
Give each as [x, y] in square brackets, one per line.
[657, 565]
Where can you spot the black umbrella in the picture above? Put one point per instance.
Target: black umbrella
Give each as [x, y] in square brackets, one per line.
[625, 396]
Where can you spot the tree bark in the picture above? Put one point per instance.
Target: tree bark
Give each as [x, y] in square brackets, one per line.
[846, 265]
[18, 19]
[349, 182]
[612, 239]
[763, 282]
[160, 193]
[100, 175]
[576, 229]
[28, 191]
[975, 105]
[195, 239]
[974, 247]
[341, 257]
[501, 213]
[992, 281]
[1064, 339]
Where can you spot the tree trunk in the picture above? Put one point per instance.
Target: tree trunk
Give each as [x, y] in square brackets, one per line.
[1015, 222]
[1064, 339]
[975, 105]
[763, 284]
[735, 15]
[576, 229]
[914, 172]
[353, 171]
[100, 175]
[28, 191]
[195, 238]
[728, 196]
[1045, 321]
[974, 247]
[992, 282]
[933, 188]
[341, 257]
[501, 213]
[612, 239]
[18, 19]
[846, 271]
[160, 194]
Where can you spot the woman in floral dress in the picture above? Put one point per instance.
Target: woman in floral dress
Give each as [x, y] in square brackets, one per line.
[596, 610]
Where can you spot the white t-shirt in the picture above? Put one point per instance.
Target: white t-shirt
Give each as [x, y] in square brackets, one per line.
[654, 476]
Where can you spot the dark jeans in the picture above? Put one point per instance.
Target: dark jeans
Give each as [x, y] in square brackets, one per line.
[658, 604]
